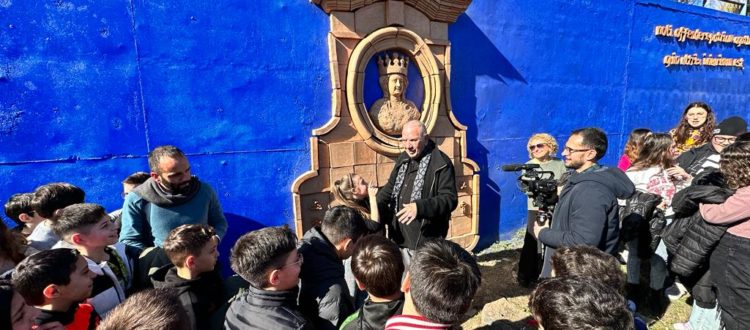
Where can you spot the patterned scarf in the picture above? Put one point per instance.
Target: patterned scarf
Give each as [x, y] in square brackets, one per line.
[416, 192]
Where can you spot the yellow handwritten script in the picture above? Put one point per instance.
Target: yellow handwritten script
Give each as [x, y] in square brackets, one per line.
[707, 60]
[681, 34]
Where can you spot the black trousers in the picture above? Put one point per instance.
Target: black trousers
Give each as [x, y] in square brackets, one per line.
[730, 272]
[530, 261]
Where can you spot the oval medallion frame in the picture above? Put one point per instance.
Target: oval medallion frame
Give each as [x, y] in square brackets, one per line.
[379, 41]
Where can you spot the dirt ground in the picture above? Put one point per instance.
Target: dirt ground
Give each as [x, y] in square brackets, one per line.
[501, 303]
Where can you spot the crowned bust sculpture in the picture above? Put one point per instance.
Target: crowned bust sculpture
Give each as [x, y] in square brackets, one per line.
[393, 110]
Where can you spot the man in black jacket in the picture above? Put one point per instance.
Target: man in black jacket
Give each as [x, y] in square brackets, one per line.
[587, 213]
[421, 193]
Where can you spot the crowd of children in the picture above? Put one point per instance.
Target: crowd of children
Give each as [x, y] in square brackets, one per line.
[65, 268]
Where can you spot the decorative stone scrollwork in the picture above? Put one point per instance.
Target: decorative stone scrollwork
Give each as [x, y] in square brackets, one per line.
[388, 40]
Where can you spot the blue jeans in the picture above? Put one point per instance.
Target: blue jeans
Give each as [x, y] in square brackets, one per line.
[658, 262]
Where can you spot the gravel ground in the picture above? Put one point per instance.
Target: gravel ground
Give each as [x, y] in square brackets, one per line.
[501, 303]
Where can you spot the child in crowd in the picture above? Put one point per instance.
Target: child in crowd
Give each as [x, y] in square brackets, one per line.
[561, 303]
[14, 312]
[48, 201]
[439, 287]
[88, 229]
[588, 261]
[157, 309]
[132, 181]
[377, 267]
[12, 249]
[57, 282]
[268, 259]
[192, 249]
[18, 208]
[324, 296]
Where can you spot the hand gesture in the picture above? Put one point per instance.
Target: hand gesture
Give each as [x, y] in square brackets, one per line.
[407, 214]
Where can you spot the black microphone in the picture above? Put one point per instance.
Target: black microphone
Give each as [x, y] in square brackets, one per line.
[519, 167]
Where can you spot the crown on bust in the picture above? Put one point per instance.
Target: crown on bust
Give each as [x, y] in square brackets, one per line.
[393, 64]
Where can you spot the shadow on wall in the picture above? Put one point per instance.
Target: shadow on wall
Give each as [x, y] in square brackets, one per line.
[238, 226]
[473, 55]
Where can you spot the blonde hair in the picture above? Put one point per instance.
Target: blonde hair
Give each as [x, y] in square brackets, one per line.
[547, 139]
[343, 194]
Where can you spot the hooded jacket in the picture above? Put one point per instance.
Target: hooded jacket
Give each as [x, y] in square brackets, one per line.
[200, 297]
[439, 199]
[324, 295]
[263, 309]
[587, 212]
[373, 315]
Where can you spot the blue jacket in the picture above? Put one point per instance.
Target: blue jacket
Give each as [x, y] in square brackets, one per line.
[587, 213]
[145, 224]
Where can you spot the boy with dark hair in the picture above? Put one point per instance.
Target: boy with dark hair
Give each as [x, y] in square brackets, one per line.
[132, 181]
[588, 261]
[268, 259]
[56, 282]
[150, 309]
[324, 296]
[562, 303]
[87, 228]
[377, 266]
[192, 249]
[439, 287]
[48, 201]
[18, 208]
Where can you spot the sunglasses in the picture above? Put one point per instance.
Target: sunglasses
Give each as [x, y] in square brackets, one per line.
[537, 146]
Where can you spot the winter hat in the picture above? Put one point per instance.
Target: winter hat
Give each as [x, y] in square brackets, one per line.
[732, 126]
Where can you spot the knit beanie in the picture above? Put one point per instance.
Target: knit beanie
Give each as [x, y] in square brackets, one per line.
[732, 126]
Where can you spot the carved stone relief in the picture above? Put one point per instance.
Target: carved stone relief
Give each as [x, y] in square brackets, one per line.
[363, 140]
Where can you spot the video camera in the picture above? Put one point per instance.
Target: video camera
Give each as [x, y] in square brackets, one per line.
[541, 186]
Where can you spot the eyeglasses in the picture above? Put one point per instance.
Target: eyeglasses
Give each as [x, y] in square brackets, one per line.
[537, 146]
[300, 259]
[571, 150]
[725, 139]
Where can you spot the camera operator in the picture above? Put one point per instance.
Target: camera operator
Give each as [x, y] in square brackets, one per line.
[542, 149]
[586, 213]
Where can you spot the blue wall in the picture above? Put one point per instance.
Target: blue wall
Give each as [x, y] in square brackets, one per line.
[88, 87]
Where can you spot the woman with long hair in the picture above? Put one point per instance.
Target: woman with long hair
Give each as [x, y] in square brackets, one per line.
[633, 147]
[353, 191]
[730, 260]
[654, 172]
[542, 149]
[695, 127]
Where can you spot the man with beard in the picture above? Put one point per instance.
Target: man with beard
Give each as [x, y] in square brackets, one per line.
[587, 212]
[421, 193]
[169, 198]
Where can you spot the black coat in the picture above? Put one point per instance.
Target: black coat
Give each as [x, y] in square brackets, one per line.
[690, 240]
[200, 297]
[324, 295]
[439, 199]
[587, 213]
[262, 309]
